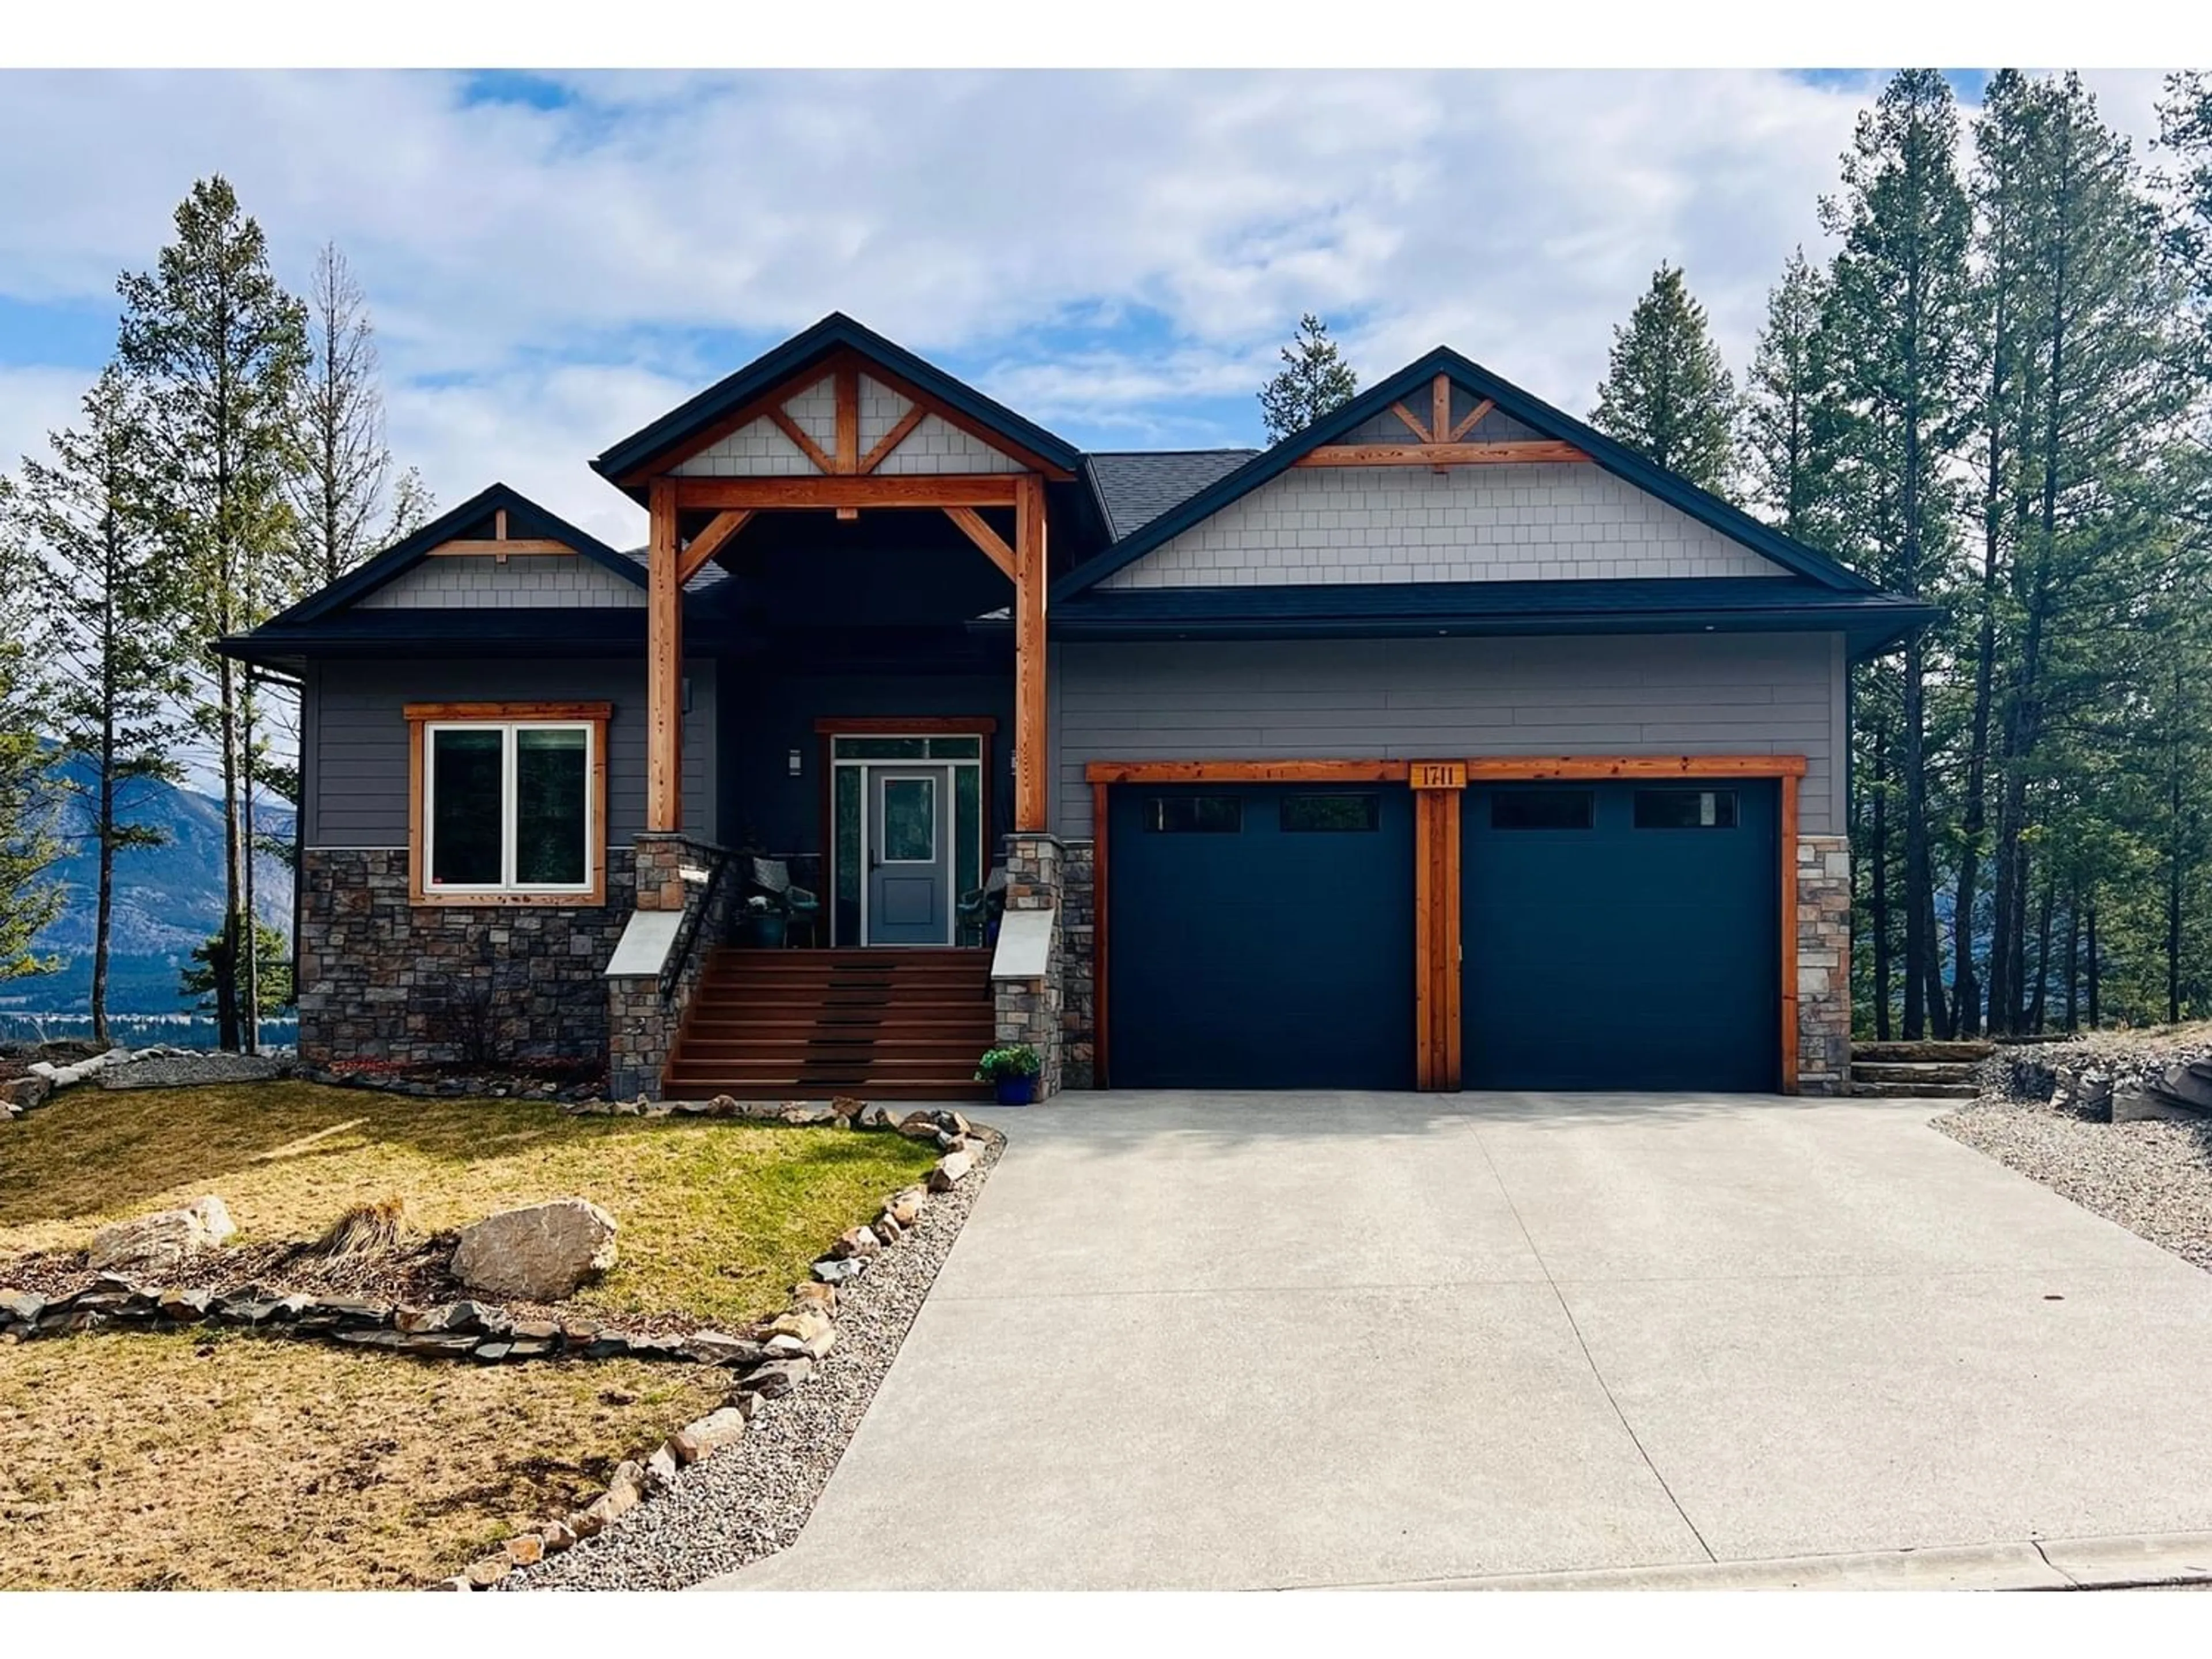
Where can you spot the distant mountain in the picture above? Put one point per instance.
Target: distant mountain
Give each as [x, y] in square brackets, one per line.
[167, 900]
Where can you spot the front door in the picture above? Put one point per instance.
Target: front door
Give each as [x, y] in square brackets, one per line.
[909, 852]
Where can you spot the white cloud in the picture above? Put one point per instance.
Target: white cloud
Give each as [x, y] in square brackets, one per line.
[33, 402]
[517, 256]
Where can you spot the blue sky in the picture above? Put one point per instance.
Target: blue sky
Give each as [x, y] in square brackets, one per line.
[552, 260]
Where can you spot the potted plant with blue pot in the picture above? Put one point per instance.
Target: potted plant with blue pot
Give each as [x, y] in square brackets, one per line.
[1011, 1070]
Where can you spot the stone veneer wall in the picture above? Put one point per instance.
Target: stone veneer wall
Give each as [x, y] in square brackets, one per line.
[642, 1023]
[1030, 1011]
[1078, 972]
[1824, 964]
[381, 979]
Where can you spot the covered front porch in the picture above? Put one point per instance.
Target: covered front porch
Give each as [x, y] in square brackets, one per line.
[859, 547]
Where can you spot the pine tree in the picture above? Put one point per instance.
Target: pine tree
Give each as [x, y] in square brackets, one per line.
[107, 634]
[220, 348]
[1667, 393]
[29, 895]
[2100, 402]
[1783, 394]
[1313, 380]
[344, 463]
[1898, 320]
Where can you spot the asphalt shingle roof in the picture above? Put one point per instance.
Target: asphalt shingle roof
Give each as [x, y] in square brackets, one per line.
[1134, 487]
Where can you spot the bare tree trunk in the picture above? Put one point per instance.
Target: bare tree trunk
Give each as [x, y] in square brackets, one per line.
[2039, 1001]
[2095, 978]
[233, 868]
[252, 988]
[2073, 959]
[1877, 900]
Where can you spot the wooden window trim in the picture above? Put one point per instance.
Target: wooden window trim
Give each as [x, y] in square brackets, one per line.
[1437, 1051]
[422, 716]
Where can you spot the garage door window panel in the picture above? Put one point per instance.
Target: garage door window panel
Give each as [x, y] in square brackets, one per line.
[1194, 814]
[1331, 815]
[1685, 809]
[1543, 809]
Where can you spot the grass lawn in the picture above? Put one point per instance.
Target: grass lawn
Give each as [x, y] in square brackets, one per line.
[210, 1459]
[718, 1217]
[143, 1460]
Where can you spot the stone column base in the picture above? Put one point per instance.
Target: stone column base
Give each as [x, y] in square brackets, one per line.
[1824, 964]
[1028, 1011]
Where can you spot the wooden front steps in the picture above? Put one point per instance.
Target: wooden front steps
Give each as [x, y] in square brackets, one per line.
[883, 1025]
[1917, 1071]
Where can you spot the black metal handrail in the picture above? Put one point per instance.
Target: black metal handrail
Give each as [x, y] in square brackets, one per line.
[687, 931]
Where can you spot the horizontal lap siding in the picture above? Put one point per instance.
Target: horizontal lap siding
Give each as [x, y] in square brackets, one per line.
[1444, 699]
[356, 777]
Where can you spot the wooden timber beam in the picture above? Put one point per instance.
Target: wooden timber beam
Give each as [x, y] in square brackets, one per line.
[710, 541]
[920, 489]
[1031, 808]
[971, 522]
[1439, 408]
[1473, 419]
[664, 665]
[1249, 771]
[536, 546]
[781, 418]
[915, 414]
[1539, 768]
[1447, 454]
[1412, 423]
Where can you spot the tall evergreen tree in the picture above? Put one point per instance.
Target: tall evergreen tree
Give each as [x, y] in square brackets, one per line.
[1313, 380]
[344, 464]
[220, 349]
[1667, 393]
[1898, 318]
[2100, 404]
[1784, 454]
[108, 635]
[30, 898]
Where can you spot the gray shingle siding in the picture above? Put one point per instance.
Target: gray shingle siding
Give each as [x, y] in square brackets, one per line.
[356, 777]
[1542, 522]
[1446, 699]
[525, 579]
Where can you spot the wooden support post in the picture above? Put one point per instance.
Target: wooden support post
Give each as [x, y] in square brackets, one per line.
[1030, 577]
[1437, 785]
[664, 665]
[1787, 835]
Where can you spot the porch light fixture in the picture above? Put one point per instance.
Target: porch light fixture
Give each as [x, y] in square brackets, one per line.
[795, 763]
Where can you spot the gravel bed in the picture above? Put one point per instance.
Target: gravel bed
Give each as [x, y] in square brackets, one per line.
[2154, 1178]
[750, 1500]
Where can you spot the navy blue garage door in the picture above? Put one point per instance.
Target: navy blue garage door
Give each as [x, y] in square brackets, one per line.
[1260, 937]
[1622, 936]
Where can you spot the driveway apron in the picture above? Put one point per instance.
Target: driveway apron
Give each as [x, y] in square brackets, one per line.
[1312, 1340]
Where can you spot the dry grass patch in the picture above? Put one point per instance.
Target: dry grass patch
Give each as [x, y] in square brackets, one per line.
[718, 1217]
[225, 1460]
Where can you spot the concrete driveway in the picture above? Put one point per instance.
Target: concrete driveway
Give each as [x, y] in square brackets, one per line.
[1331, 1340]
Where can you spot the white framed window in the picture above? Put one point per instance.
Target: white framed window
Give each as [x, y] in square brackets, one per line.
[509, 808]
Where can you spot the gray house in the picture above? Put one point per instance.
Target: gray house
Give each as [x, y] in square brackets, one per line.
[1445, 744]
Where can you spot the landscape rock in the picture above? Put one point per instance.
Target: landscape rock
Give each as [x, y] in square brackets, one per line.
[661, 1468]
[886, 1230]
[717, 1348]
[448, 1316]
[2188, 1085]
[836, 1270]
[165, 1240]
[876, 1117]
[525, 1550]
[847, 1108]
[775, 1378]
[555, 1536]
[949, 1171]
[187, 1068]
[906, 1205]
[184, 1306]
[800, 1323]
[814, 1295]
[807, 1115]
[855, 1242]
[483, 1574]
[26, 1092]
[919, 1126]
[540, 1254]
[2143, 1106]
[707, 1435]
[61, 1077]
[20, 1307]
